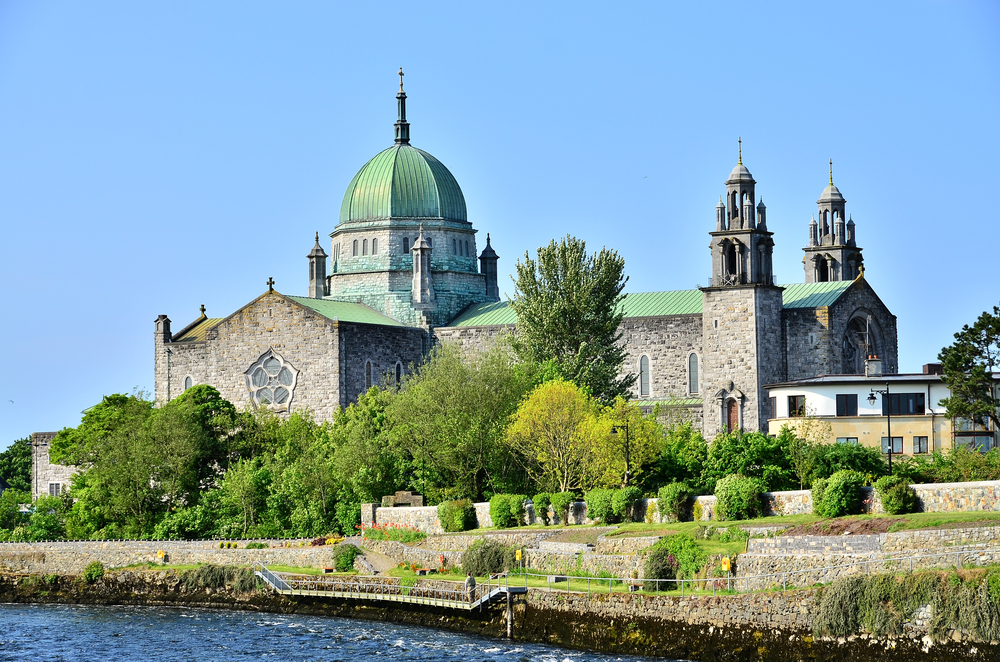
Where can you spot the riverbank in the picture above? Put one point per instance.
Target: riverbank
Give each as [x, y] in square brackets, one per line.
[775, 627]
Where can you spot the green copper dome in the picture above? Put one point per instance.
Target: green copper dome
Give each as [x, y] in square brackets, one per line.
[403, 182]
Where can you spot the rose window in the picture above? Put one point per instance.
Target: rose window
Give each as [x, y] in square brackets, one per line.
[271, 381]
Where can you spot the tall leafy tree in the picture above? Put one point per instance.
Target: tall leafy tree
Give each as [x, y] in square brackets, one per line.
[968, 365]
[568, 306]
[15, 465]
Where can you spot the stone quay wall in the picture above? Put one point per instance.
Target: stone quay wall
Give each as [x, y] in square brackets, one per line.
[71, 557]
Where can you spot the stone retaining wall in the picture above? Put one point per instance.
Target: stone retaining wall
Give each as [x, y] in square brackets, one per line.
[624, 545]
[71, 557]
[903, 541]
[460, 542]
[615, 565]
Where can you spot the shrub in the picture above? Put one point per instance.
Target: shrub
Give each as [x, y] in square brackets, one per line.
[818, 489]
[390, 531]
[689, 556]
[93, 572]
[898, 498]
[738, 497]
[561, 503]
[507, 510]
[600, 505]
[542, 501]
[841, 495]
[488, 556]
[659, 564]
[697, 512]
[623, 503]
[343, 557]
[672, 502]
[257, 545]
[457, 516]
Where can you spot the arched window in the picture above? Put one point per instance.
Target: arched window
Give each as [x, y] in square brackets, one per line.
[824, 270]
[188, 382]
[692, 373]
[406, 244]
[643, 376]
[430, 244]
[354, 251]
[368, 375]
[454, 247]
[466, 249]
[364, 247]
[375, 246]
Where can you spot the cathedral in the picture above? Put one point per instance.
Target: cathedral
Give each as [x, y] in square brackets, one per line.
[402, 275]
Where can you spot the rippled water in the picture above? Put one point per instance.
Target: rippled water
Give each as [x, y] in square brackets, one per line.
[160, 634]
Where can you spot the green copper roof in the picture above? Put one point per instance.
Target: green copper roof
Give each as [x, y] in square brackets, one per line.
[403, 182]
[658, 304]
[346, 312]
[813, 295]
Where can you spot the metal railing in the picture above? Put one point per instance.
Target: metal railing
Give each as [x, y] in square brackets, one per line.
[445, 593]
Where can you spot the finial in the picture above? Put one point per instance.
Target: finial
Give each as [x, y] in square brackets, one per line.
[402, 126]
[270, 284]
[317, 237]
[487, 238]
[831, 172]
[741, 150]
[401, 74]
[202, 309]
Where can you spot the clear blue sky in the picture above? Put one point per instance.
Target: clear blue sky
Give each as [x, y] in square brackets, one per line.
[159, 156]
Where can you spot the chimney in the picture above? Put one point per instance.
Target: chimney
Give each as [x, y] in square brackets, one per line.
[933, 369]
[873, 366]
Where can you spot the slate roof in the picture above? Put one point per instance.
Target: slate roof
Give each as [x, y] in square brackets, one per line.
[659, 304]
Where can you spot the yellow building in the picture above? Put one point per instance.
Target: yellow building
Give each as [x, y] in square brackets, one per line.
[870, 409]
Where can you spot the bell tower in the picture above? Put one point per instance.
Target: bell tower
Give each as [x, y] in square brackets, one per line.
[741, 313]
[832, 253]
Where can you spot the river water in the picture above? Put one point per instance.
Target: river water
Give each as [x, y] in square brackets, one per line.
[161, 634]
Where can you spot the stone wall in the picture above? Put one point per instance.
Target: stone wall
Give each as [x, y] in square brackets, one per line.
[667, 341]
[44, 472]
[71, 557]
[471, 338]
[861, 300]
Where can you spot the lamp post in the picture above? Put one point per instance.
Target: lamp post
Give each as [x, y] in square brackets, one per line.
[614, 431]
[888, 417]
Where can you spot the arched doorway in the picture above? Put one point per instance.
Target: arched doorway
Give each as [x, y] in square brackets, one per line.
[732, 415]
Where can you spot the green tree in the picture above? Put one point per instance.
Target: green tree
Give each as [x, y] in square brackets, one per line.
[450, 417]
[968, 365]
[15, 465]
[754, 455]
[682, 459]
[642, 439]
[568, 306]
[552, 433]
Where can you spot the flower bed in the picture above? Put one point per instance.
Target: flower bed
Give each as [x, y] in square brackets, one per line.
[391, 531]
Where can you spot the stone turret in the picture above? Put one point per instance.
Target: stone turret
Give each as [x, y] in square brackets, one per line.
[423, 288]
[488, 267]
[317, 271]
[832, 253]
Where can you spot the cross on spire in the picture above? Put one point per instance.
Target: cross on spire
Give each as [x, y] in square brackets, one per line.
[401, 74]
[270, 284]
[831, 172]
[202, 309]
[402, 126]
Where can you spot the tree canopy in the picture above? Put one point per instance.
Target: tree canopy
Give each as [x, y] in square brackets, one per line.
[568, 306]
[15, 465]
[968, 365]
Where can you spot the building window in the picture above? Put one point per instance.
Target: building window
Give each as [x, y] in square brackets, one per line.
[643, 376]
[55, 489]
[364, 247]
[399, 374]
[796, 406]
[354, 251]
[429, 244]
[375, 246]
[774, 407]
[188, 382]
[902, 404]
[271, 381]
[851, 441]
[466, 249]
[919, 445]
[406, 244]
[368, 375]
[847, 404]
[454, 247]
[692, 373]
[897, 445]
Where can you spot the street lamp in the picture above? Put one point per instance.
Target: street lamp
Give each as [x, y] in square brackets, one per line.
[614, 431]
[888, 417]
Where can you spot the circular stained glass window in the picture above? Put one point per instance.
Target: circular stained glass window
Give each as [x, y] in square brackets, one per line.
[271, 381]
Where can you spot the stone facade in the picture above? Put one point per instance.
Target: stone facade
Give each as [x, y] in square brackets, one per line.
[47, 478]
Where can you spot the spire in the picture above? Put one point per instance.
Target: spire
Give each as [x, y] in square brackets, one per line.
[831, 172]
[741, 150]
[402, 126]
